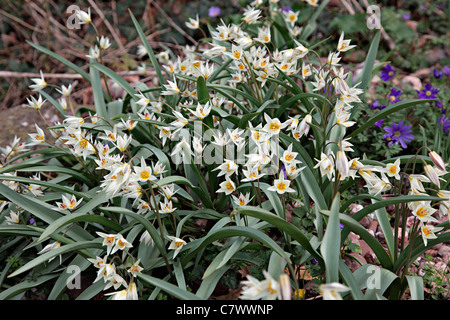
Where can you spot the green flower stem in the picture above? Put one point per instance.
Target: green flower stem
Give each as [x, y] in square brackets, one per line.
[257, 194]
[158, 217]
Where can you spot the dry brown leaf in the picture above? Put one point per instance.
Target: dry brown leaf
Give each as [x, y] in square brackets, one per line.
[415, 82]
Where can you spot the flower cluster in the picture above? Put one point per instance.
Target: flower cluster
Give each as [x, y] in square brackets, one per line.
[108, 271]
[381, 179]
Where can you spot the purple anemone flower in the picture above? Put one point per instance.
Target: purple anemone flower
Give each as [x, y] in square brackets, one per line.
[388, 73]
[446, 71]
[437, 73]
[429, 92]
[379, 123]
[377, 106]
[214, 12]
[398, 134]
[393, 96]
[445, 123]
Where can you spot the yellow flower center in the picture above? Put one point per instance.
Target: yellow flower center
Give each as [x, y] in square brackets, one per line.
[72, 204]
[427, 232]
[145, 175]
[281, 186]
[229, 186]
[393, 170]
[274, 126]
[83, 143]
[421, 212]
[178, 243]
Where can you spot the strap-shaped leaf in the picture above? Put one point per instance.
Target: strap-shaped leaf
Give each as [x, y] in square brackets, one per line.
[387, 111]
[377, 248]
[118, 79]
[330, 247]
[25, 285]
[416, 288]
[283, 225]
[167, 287]
[69, 64]
[145, 222]
[149, 49]
[228, 232]
[76, 246]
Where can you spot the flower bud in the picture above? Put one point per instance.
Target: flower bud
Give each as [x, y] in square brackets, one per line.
[285, 287]
[437, 160]
[432, 175]
[342, 164]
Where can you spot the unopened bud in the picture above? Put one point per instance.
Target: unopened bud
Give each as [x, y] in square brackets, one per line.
[432, 175]
[342, 164]
[437, 160]
[285, 287]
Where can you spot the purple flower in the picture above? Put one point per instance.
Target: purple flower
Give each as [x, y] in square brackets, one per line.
[388, 73]
[437, 74]
[406, 16]
[283, 169]
[445, 123]
[314, 261]
[446, 71]
[31, 221]
[398, 133]
[377, 106]
[214, 12]
[286, 9]
[429, 92]
[379, 123]
[393, 96]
